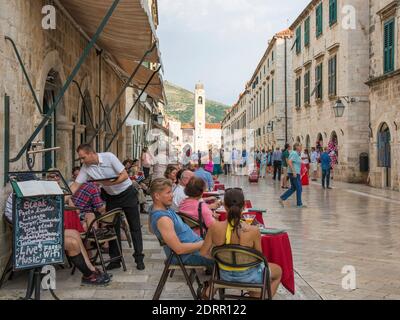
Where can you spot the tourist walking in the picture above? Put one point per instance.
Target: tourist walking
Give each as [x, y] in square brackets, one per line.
[294, 167]
[147, 161]
[277, 162]
[234, 157]
[314, 163]
[263, 164]
[326, 163]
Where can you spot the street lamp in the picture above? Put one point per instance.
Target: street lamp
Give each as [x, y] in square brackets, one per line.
[270, 126]
[339, 107]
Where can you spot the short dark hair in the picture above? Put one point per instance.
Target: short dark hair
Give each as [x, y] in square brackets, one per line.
[85, 147]
[195, 187]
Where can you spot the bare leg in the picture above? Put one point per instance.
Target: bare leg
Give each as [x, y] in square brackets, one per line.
[73, 234]
[276, 275]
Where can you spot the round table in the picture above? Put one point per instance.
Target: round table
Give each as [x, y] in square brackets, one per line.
[259, 217]
[276, 248]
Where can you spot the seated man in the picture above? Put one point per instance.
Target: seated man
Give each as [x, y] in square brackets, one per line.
[87, 199]
[76, 252]
[206, 176]
[169, 227]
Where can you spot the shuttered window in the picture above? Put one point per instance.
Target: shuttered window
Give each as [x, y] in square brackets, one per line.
[332, 76]
[318, 20]
[298, 95]
[388, 39]
[318, 82]
[307, 87]
[307, 32]
[332, 12]
[298, 40]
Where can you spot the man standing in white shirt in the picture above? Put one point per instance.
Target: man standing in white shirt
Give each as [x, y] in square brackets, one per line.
[235, 156]
[117, 192]
[314, 163]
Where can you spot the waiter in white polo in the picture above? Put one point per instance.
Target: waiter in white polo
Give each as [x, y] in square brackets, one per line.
[117, 192]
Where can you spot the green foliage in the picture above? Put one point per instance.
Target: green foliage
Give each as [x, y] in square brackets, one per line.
[181, 105]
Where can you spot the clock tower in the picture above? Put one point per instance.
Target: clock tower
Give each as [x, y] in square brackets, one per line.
[199, 118]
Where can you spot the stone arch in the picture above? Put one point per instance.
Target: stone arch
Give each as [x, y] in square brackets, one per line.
[319, 144]
[52, 63]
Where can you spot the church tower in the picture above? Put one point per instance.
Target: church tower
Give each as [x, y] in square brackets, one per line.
[200, 118]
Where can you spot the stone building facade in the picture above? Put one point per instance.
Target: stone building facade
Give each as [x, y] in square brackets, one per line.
[270, 94]
[331, 62]
[384, 85]
[49, 56]
[234, 126]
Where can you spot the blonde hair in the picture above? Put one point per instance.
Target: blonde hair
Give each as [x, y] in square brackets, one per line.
[159, 184]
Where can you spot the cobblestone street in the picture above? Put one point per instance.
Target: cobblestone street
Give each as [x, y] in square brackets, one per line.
[349, 225]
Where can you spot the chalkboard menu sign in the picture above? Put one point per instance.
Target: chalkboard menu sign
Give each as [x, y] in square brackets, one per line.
[38, 233]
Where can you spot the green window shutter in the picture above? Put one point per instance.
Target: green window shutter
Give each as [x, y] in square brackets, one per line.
[332, 12]
[307, 32]
[388, 46]
[319, 21]
[272, 91]
[298, 40]
[307, 87]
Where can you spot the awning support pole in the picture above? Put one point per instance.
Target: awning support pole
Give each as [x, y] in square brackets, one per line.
[21, 63]
[126, 85]
[84, 102]
[131, 109]
[81, 60]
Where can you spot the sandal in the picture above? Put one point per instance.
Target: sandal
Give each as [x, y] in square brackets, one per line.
[204, 291]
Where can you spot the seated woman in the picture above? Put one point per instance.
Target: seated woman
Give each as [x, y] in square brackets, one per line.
[170, 173]
[190, 206]
[234, 231]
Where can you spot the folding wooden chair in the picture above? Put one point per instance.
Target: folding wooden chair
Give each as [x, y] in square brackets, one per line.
[107, 232]
[194, 223]
[189, 277]
[236, 256]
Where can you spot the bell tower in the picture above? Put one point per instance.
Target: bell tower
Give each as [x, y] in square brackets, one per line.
[199, 118]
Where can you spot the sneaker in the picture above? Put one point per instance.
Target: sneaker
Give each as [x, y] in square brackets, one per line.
[281, 203]
[140, 265]
[302, 206]
[113, 265]
[96, 280]
[99, 272]
[329, 187]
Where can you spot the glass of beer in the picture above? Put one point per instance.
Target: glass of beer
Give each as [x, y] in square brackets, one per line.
[249, 218]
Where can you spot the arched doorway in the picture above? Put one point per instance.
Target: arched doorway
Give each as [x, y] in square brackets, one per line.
[333, 148]
[319, 145]
[51, 90]
[384, 153]
[87, 120]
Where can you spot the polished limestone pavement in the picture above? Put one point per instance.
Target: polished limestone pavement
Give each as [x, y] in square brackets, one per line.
[351, 225]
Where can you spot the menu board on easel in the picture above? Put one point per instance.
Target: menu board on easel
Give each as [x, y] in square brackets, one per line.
[38, 231]
[38, 219]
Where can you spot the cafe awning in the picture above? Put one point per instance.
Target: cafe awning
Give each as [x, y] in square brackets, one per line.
[127, 36]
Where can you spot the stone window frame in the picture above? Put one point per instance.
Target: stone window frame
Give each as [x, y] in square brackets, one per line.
[386, 14]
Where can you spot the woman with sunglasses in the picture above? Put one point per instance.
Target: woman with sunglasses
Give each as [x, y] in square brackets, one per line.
[234, 231]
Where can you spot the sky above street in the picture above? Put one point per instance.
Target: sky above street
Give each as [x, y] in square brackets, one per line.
[219, 42]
